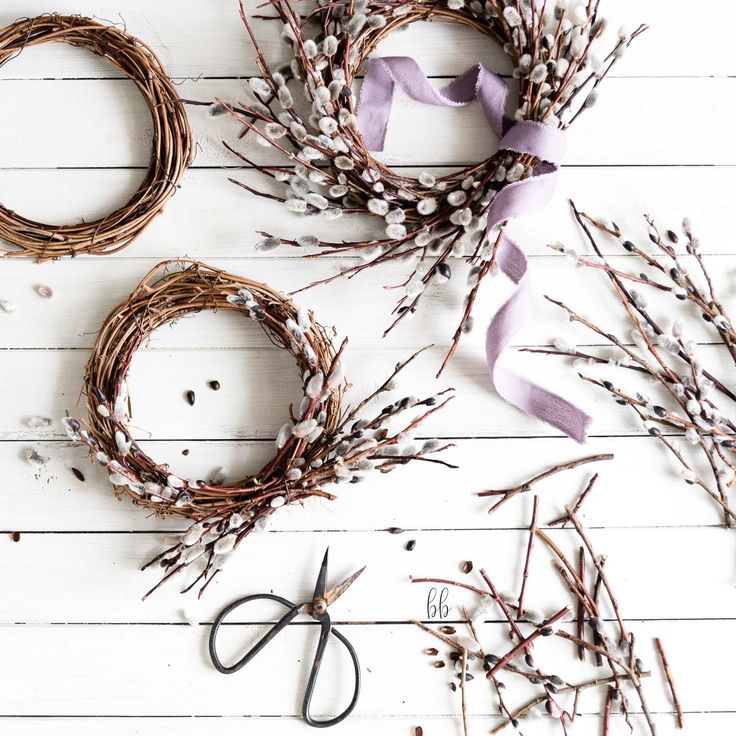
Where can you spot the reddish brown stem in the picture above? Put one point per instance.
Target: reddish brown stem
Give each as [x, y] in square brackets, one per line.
[509, 493]
[581, 607]
[578, 503]
[530, 546]
[670, 682]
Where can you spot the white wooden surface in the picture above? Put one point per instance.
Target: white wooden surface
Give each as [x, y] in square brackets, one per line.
[80, 653]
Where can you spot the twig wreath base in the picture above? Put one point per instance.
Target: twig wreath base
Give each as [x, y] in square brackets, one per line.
[321, 444]
[172, 148]
[428, 220]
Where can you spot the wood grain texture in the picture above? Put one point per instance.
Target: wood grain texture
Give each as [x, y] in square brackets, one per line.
[80, 653]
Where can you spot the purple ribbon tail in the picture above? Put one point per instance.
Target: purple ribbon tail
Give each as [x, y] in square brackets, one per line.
[509, 320]
[526, 137]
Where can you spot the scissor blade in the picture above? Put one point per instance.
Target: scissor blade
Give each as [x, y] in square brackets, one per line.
[319, 589]
[332, 595]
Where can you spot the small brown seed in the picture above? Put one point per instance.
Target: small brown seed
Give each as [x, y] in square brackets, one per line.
[418, 731]
[439, 664]
[79, 474]
[432, 651]
[467, 567]
[449, 630]
[453, 686]
[15, 536]
[214, 385]
[395, 530]
[411, 544]
[185, 451]
[190, 396]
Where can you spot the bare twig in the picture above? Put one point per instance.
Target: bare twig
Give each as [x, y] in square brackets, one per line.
[578, 503]
[670, 682]
[527, 561]
[509, 493]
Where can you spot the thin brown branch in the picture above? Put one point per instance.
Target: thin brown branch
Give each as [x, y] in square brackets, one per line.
[670, 682]
[509, 493]
[527, 561]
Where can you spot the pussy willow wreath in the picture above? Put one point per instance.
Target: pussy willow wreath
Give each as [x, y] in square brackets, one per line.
[322, 444]
[172, 148]
[429, 219]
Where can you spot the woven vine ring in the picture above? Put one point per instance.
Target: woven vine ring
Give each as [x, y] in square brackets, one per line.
[171, 151]
[321, 443]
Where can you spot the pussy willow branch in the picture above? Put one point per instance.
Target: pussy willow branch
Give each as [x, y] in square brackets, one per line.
[695, 402]
[581, 687]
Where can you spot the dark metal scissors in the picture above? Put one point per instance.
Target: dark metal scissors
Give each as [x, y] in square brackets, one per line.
[317, 609]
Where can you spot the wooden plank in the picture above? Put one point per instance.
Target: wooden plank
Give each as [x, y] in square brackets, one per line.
[115, 128]
[641, 488]
[103, 670]
[260, 383]
[715, 724]
[39, 566]
[193, 40]
[209, 217]
[87, 290]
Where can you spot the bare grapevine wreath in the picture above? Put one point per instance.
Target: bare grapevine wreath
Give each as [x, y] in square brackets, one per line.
[322, 444]
[172, 147]
[427, 220]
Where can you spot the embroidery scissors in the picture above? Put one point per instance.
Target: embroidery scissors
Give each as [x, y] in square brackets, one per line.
[317, 609]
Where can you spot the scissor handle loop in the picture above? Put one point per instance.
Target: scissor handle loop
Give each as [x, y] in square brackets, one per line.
[327, 629]
[292, 613]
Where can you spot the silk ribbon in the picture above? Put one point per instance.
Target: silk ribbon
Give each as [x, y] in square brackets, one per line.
[524, 137]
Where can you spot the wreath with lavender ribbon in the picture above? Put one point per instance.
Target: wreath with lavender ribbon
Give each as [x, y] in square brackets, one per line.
[429, 221]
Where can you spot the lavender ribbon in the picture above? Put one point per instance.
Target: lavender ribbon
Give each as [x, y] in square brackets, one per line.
[525, 137]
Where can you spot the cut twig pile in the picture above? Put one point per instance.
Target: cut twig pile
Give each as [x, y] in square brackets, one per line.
[580, 620]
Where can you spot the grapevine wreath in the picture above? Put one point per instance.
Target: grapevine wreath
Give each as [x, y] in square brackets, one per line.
[323, 442]
[307, 111]
[172, 148]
